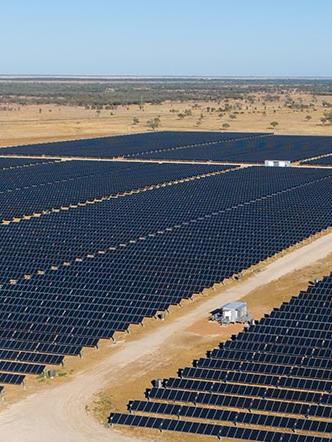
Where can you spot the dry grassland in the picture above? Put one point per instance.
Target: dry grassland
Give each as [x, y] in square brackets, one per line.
[33, 124]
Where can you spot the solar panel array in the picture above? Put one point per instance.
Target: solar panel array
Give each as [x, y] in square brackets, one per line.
[253, 150]
[62, 183]
[199, 146]
[271, 382]
[72, 277]
[263, 201]
[123, 145]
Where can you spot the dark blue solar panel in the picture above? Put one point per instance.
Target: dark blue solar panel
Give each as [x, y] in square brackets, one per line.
[255, 149]
[65, 183]
[117, 146]
[225, 206]
[233, 387]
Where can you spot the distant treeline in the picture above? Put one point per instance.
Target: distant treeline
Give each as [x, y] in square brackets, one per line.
[103, 92]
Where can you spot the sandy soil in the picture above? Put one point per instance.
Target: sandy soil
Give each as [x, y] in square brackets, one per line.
[26, 124]
[63, 408]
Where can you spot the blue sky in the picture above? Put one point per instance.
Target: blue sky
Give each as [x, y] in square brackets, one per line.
[167, 37]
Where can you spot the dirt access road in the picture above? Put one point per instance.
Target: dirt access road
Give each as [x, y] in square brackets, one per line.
[59, 413]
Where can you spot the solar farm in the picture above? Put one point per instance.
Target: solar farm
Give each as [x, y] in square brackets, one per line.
[99, 235]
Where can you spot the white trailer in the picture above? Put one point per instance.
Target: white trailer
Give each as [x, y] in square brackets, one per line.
[277, 163]
[232, 312]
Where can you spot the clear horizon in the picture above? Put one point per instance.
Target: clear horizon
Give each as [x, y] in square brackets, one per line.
[134, 76]
[179, 39]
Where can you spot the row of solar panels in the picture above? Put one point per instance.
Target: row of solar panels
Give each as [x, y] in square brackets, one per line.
[225, 395]
[210, 414]
[219, 431]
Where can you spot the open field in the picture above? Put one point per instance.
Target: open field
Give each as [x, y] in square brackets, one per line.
[37, 123]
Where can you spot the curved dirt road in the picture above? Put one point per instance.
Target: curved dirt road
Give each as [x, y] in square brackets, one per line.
[59, 414]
